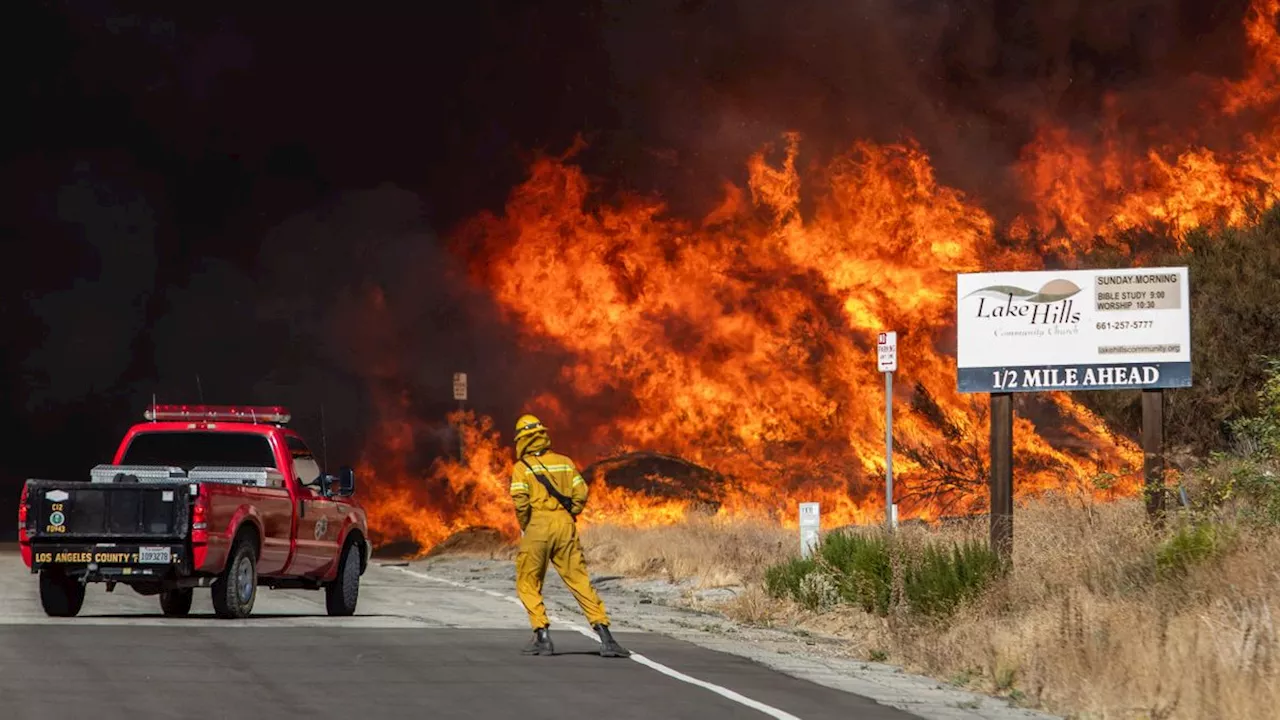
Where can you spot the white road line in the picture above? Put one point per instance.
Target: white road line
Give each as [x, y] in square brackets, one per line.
[652, 664]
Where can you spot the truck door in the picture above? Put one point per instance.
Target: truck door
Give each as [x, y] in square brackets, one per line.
[318, 519]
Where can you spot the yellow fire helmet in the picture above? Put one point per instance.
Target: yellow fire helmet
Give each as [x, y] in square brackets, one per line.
[528, 425]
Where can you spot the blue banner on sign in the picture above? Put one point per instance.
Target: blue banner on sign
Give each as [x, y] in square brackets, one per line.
[1040, 378]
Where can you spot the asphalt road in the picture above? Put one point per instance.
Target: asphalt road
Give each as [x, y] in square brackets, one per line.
[414, 649]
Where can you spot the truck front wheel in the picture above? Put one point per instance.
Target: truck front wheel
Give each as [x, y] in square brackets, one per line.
[60, 594]
[340, 596]
[176, 602]
[236, 588]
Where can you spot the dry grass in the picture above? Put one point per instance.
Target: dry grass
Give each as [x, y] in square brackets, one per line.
[1082, 626]
[706, 551]
[481, 542]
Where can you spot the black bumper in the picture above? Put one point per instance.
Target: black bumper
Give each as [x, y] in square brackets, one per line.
[113, 561]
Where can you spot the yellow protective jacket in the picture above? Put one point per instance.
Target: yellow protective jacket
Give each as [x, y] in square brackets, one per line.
[530, 496]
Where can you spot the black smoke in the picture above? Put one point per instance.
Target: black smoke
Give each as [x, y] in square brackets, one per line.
[200, 202]
[970, 80]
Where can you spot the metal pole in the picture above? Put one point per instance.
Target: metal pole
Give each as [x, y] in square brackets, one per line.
[462, 441]
[888, 450]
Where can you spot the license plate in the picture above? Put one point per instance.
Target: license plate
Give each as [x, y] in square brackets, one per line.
[154, 555]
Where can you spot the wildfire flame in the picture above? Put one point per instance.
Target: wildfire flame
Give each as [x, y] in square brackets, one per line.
[744, 341]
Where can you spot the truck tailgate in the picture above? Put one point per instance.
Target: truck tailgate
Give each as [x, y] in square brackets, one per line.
[72, 511]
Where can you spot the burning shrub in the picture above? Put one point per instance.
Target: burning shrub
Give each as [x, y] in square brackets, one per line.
[933, 577]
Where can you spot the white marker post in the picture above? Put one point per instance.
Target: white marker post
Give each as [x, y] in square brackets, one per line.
[887, 363]
[460, 394]
[810, 524]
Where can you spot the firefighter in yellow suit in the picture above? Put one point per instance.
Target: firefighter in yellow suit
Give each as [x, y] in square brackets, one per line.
[549, 533]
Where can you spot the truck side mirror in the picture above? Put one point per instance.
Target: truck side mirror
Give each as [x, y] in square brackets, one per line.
[346, 481]
[327, 485]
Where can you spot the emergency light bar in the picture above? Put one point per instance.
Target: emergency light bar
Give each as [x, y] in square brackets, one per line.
[216, 413]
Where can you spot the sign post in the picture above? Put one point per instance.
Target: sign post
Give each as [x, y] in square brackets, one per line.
[460, 394]
[810, 525]
[1070, 330]
[887, 363]
[1001, 480]
[1153, 452]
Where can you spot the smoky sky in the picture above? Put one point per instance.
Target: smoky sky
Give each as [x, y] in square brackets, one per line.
[967, 79]
[240, 203]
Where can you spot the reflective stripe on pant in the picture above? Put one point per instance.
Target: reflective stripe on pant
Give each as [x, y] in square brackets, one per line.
[554, 536]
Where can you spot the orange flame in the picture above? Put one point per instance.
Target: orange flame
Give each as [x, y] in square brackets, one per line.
[1083, 187]
[1261, 87]
[744, 342]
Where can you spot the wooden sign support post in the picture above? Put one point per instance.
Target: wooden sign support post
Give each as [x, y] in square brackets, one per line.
[1002, 475]
[1153, 453]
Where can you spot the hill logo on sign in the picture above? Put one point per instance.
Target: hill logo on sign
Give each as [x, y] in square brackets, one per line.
[1050, 305]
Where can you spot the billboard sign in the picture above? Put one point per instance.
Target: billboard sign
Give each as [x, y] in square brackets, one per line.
[1116, 329]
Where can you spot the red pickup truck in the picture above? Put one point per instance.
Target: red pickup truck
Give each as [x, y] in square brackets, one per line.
[199, 496]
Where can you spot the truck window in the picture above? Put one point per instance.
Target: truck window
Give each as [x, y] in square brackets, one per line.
[195, 448]
[305, 467]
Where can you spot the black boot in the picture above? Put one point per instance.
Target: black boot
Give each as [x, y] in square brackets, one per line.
[608, 646]
[540, 644]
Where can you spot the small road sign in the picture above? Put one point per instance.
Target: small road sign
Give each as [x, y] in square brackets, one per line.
[887, 352]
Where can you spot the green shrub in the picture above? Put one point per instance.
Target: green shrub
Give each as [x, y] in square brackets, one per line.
[819, 590]
[862, 564]
[858, 569]
[1245, 489]
[1262, 491]
[1188, 545]
[783, 579]
[1259, 434]
[940, 578]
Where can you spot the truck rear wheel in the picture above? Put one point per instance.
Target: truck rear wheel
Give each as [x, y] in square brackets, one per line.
[60, 595]
[236, 588]
[176, 602]
[340, 596]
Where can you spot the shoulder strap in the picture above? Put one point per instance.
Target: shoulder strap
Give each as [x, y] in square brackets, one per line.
[560, 497]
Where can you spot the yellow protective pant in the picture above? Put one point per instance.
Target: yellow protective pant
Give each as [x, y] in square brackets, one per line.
[554, 536]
